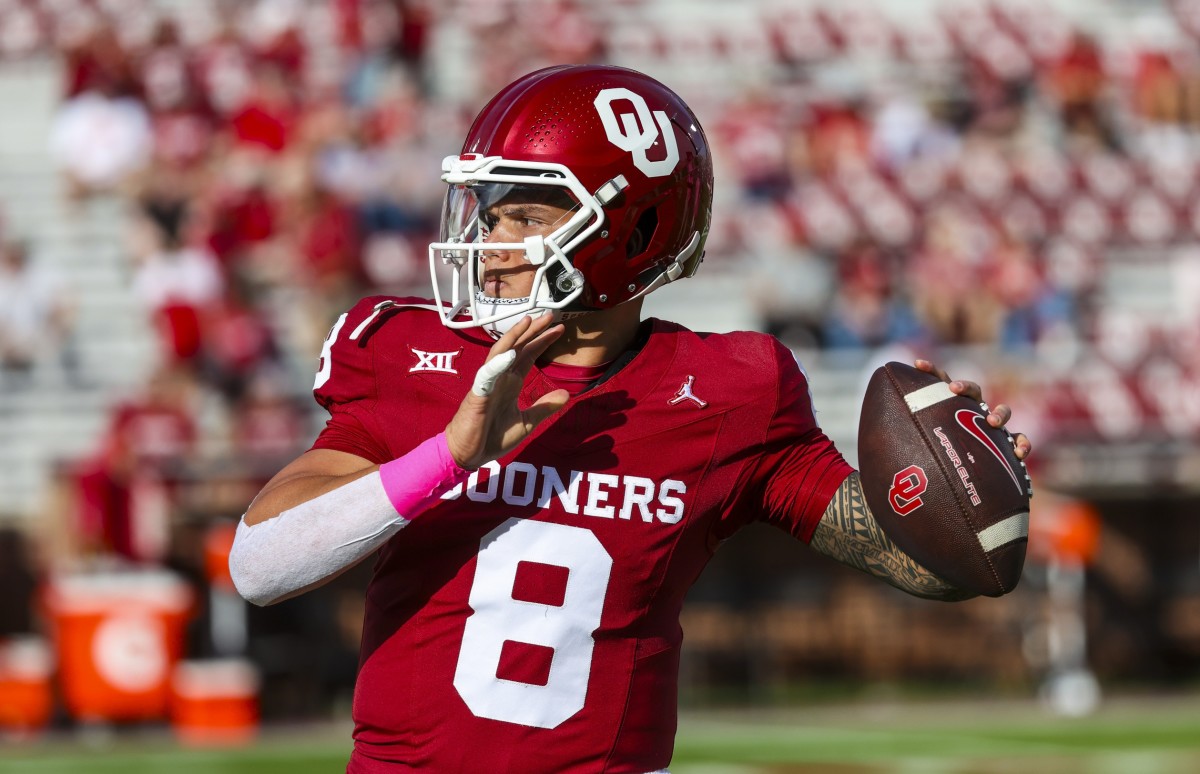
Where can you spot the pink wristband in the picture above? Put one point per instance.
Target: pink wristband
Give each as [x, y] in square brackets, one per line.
[417, 480]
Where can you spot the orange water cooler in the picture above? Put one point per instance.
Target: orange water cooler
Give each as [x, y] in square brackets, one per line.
[215, 701]
[117, 638]
[26, 695]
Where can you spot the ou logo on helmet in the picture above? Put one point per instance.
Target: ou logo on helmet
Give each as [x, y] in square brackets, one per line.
[637, 132]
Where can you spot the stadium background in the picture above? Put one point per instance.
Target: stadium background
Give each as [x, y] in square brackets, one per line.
[191, 191]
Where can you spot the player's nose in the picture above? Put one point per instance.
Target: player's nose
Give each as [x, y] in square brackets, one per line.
[499, 259]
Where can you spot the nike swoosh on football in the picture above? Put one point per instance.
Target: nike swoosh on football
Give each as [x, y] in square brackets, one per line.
[972, 426]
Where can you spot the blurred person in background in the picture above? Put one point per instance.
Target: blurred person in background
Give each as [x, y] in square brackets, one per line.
[178, 283]
[269, 425]
[238, 342]
[865, 311]
[36, 318]
[123, 490]
[101, 134]
[543, 473]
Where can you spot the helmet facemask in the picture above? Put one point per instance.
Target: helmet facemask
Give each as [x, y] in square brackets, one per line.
[476, 185]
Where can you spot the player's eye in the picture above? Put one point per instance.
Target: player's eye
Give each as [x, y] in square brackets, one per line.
[521, 219]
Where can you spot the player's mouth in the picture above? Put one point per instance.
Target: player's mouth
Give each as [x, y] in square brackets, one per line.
[496, 282]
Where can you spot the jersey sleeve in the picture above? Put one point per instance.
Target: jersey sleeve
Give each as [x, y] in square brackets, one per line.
[800, 468]
[346, 387]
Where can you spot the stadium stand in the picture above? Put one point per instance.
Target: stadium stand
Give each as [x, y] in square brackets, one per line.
[54, 418]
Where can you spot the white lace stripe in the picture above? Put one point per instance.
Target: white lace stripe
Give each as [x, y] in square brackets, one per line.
[1013, 528]
[928, 396]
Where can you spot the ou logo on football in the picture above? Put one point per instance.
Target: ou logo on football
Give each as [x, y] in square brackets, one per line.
[637, 131]
[907, 487]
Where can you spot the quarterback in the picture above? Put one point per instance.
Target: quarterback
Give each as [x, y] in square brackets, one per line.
[540, 473]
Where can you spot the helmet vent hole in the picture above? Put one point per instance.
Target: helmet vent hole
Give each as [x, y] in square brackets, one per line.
[643, 233]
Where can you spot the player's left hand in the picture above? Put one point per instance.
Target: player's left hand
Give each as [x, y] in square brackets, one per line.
[998, 415]
[489, 423]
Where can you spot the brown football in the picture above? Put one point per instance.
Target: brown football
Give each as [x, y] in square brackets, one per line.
[943, 483]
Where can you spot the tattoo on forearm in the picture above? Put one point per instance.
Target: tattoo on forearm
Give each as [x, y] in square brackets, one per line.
[849, 533]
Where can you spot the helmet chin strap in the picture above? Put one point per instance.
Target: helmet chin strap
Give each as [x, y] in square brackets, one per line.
[498, 328]
[490, 306]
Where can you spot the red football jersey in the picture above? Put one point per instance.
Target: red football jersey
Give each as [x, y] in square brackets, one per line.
[529, 622]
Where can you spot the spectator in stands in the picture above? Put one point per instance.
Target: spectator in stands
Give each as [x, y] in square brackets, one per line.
[165, 201]
[572, 35]
[99, 139]
[284, 50]
[753, 136]
[36, 317]
[790, 282]
[269, 425]
[1076, 82]
[944, 279]
[238, 342]
[239, 216]
[905, 128]
[177, 283]
[97, 62]
[124, 488]
[865, 313]
[838, 134]
[101, 133]
[1019, 288]
[182, 122]
[268, 120]
[224, 65]
[329, 247]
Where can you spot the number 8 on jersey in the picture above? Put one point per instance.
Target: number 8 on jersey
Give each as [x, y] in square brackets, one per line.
[565, 629]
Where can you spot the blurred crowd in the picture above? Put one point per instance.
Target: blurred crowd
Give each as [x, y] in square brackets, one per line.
[882, 181]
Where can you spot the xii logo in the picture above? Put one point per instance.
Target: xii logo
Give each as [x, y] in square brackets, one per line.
[437, 362]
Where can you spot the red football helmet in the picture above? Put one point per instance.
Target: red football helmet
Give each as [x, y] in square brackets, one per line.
[621, 151]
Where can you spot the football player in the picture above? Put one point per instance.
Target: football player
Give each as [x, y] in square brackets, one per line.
[541, 472]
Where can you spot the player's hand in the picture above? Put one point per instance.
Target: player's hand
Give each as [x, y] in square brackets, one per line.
[998, 415]
[489, 423]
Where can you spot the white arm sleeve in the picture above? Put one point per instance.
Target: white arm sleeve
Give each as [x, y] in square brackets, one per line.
[312, 541]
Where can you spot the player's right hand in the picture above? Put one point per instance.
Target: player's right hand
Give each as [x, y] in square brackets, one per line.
[998, 415]
[488, 423]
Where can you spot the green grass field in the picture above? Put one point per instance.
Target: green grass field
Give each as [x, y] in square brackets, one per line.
[1128, 736]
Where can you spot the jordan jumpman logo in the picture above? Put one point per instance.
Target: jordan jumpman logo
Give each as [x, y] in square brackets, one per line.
[685, 393]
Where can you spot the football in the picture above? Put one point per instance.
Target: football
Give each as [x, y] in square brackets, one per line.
[943, 484]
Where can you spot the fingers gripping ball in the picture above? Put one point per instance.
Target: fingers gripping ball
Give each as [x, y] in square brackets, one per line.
[944, 485]
[489, 372]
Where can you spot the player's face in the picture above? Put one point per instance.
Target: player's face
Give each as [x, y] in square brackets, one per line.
[506, 273]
